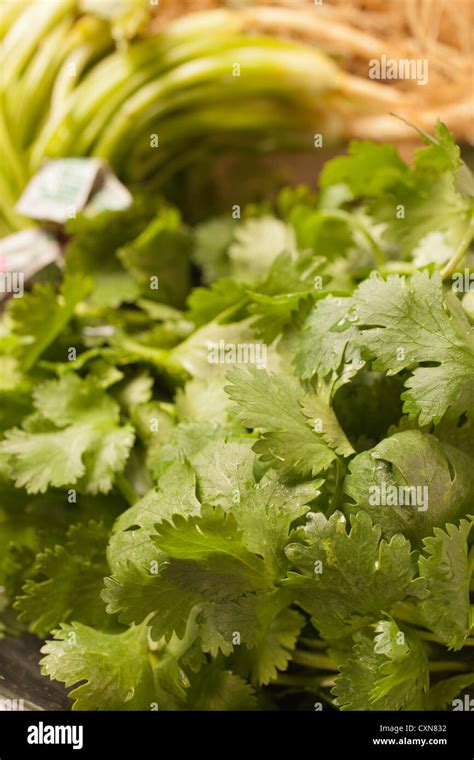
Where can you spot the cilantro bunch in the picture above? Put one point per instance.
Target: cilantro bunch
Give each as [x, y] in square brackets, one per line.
[191, 528]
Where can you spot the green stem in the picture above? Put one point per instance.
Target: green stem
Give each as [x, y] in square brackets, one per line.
[442, 666]
[126, 489]
[284, 679]
[454, 262]
[312, 660]
[397, 267]
[427, 636]
[111, 84]
[26, 35]
[260, 63]
[356, 224]
[313, 643]
[404, 616]
[337, 488]
[159, 357]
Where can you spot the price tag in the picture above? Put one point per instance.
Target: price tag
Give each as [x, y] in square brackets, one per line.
[110, 195]
[60, 190]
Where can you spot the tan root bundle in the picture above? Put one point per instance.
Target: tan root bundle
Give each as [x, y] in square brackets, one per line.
[358, 32]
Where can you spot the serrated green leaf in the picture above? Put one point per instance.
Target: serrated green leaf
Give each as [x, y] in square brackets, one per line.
[216, 689]
[80, 564]
[74, 440]
[117, 668]
[345, 580]
[92, 251]
[327, 342]
[443, 694]
[407, 325]
[388, 676]
[41, 315]
[445, 567]
[272, 403]
[273, 649]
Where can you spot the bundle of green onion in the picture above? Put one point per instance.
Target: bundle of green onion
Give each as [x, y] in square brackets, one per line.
[151, 104]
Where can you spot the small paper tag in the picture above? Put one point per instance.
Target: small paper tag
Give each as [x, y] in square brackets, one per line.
[22, 255]
[60, 190]
[111, 195]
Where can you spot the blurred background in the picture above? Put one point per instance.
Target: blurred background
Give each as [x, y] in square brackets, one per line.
[222, 102]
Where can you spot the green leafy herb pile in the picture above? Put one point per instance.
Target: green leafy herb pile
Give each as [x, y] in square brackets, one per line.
[237, 461]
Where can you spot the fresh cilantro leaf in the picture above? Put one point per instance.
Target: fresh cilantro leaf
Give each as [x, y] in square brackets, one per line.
[203, 401]
[326, 234]
[410, 483]
[274, 647]
[158, 259]
[206, 304]
[436, 216]
[40, 316]
[206, 539]
[74, 439]
[444, 565]
[175, 494]
[214, 564]
[81, 563]
[425, 216]
[136, 592]
[216, 689]
[285, 295]
[408, 325]
[322, 418]
[345, 580]
[115, 667]
[224, 472]
[388, 671]
[127, 674]
[92, 252]
[263, 509]
[327, 342]
[202, 561]
[444, 693]
[256, 244]
[368, 169]
[272, 403]
[264, 513]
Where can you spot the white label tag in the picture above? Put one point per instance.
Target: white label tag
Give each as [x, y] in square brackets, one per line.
[59, 191]
[110, 195]
[24, 254]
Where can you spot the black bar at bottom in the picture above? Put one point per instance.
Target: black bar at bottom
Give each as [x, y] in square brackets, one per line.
[83, 734]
